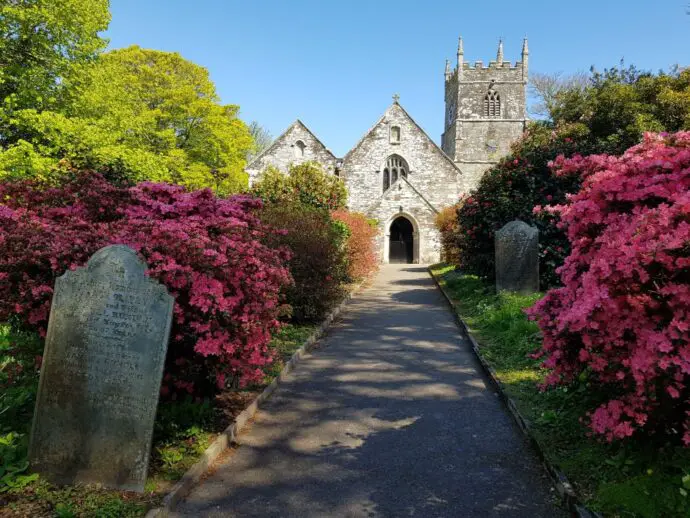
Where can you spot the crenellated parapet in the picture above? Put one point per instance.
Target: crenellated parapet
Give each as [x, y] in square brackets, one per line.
[460, 71]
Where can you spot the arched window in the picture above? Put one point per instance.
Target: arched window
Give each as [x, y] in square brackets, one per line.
[299, 149]
[395, 168]
[492, 105]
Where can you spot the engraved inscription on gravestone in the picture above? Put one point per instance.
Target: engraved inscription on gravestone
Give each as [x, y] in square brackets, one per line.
[517, 258]
[101, 374]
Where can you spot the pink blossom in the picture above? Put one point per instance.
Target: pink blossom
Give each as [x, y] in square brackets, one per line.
[623, 311]
[209, 252]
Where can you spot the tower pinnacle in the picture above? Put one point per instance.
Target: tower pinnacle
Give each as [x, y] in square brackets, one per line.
[461, 56]
[447, 70]
[525, 59]
[499, 54]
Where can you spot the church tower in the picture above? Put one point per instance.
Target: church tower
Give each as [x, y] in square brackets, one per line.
[485, 111]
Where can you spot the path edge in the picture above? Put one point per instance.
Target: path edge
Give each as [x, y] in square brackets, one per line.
[560, 481]
[229, 436]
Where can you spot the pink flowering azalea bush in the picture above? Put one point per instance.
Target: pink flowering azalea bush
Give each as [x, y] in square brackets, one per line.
[622, 318]
[209, 253]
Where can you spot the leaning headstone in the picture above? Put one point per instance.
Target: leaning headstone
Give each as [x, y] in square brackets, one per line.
[101, 374]
[517, 258]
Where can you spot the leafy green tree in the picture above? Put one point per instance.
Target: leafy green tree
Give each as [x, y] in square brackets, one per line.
[162, 103]
[43, 44]
[306, 183]
[622, 103]
[139, 114]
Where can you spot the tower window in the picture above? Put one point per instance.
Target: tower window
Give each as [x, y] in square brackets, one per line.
[492, 105]
[299, 149]
[395, 168]
[395, 134]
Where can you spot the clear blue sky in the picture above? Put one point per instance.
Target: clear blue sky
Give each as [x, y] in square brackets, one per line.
[335, 65]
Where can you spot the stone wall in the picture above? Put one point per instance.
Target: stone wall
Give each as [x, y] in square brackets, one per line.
[474, 141]
[286, 150]
[402, 200]
[434, 181]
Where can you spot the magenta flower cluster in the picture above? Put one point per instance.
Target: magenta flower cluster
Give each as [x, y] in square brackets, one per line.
[209, 252]
[621, 321]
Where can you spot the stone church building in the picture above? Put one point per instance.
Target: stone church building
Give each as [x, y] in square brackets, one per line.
[398, 175]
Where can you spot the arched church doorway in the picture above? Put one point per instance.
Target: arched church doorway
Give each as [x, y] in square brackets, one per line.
[401, 244]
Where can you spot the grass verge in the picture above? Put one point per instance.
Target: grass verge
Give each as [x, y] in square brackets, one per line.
[626, 480]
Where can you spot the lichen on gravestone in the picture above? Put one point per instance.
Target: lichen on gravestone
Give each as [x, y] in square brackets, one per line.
[100, 378]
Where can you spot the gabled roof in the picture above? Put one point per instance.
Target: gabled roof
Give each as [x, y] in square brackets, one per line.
[283, 135]
[416, 191]
[435, 146]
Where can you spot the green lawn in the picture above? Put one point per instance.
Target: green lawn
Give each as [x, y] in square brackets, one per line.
[633, 480]
[183, 430]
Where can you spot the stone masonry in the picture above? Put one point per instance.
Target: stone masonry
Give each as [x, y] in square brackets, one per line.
[397, 171]
[295, 146]
[480, 130]
[433, 181]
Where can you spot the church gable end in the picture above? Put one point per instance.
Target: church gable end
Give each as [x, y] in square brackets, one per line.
[396, 146]
[295, 146]
[396, 171]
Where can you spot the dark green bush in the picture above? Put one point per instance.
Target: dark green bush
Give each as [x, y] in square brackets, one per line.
[318, 264]
[510, 191]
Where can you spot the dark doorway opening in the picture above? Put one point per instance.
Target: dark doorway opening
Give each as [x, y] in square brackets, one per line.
[401, 245]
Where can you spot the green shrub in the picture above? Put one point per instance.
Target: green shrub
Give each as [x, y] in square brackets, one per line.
[318, 263]
[19, 365]
[510, 191]
[306, 183]
[361, 233]
[449, 227]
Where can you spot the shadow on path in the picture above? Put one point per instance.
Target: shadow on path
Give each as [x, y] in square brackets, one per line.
[389, 417]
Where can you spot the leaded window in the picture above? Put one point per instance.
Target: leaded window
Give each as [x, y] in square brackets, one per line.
[395, 168]
[492, 105]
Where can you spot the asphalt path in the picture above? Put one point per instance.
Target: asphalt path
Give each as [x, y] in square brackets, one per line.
[390, 416]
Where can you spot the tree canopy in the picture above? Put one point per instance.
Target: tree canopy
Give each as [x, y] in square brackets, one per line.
[620, 104]
[160, 103]
[137, 114]
[43, 44]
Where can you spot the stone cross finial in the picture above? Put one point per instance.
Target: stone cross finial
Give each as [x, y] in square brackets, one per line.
[396, 98]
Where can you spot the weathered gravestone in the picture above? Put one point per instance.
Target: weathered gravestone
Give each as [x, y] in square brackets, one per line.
[517, 258]
[101, 373]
